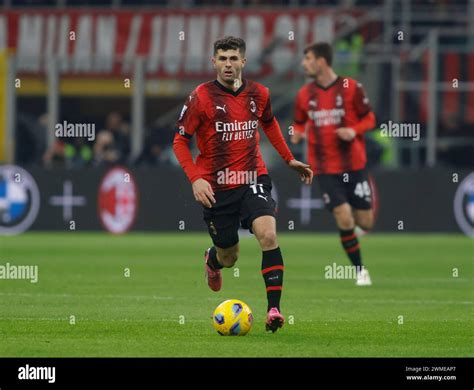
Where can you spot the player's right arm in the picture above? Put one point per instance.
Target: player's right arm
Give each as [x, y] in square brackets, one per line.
[299, 120]
[188, 122]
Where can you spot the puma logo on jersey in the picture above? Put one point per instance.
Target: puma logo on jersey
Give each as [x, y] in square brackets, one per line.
[185, 107]
[263, 197]
[221, 108]
[312, 103]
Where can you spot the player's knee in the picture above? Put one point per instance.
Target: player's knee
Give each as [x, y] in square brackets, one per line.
[366, 224]
[345, 221]
[344, 217]
[228, 259]
[268, 240]
[346, 224]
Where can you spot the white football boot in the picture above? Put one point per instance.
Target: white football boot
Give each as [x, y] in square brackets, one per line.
[363, 278]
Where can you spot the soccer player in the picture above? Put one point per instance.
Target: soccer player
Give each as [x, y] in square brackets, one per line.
[333, 113]
[229, 177]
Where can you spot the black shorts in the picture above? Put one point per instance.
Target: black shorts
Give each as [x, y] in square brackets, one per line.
[351, 187]
[238, 207]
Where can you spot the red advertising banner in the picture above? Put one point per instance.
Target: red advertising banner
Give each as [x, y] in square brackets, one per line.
[174, 43]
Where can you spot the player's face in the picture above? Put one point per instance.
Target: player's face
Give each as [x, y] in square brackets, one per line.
[311, 64]
[229, 64]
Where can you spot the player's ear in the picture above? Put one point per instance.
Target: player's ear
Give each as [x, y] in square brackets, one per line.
[244, 61]
[213, 60]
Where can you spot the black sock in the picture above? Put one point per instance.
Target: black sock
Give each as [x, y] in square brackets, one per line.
[350, 243]
[272, 271]
[212, 259]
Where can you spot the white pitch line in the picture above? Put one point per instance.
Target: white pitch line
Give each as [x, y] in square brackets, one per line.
[399, 301]
[157, 297]
[91, 296]
[80, 319]
[326, 321]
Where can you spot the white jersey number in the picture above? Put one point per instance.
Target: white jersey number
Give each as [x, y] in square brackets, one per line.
[362, 189]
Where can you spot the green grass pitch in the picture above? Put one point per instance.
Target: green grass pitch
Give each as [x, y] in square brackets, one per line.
[82, 275]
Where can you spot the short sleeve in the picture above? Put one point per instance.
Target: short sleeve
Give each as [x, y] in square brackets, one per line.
[267, 114]
[300, 115]
[190, 117]
[361, 101]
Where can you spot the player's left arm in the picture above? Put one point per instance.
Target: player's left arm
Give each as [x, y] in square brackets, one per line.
[364, 112]
[273, 132]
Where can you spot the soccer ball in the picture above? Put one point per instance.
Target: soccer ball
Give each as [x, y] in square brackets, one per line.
[232, 318]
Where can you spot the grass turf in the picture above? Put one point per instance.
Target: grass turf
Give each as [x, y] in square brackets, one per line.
[82, 275]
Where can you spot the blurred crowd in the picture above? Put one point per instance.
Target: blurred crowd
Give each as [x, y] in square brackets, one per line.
[111, 144]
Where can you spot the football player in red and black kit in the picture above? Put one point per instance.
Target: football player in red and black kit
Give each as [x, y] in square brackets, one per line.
[333, 113]
[229, 177]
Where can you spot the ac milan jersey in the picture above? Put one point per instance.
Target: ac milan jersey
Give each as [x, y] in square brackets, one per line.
[226, 125]
[320, 111]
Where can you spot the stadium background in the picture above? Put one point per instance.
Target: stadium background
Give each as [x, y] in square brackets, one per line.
[126, 67]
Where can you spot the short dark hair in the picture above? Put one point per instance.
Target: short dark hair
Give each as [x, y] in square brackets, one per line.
[230, 43]
[320, 49]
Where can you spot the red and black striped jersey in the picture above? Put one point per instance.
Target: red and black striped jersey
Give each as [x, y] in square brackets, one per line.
[226, 124]
[319, 111]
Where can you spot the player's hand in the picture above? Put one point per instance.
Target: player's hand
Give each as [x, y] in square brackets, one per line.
[303, 169]
[203, 193]
[346, 133]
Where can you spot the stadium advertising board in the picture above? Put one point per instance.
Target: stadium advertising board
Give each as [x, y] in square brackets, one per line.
[161, 200]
